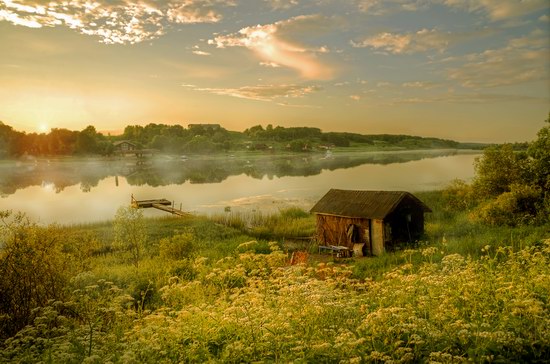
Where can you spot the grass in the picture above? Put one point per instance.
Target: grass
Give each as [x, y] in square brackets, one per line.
[218, 236]
[469, 292]
[287, 224]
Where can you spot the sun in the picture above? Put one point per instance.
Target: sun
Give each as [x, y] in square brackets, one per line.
[43, 128]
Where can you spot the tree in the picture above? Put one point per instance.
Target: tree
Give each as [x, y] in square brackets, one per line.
[6, 136]
[62, 141]
[86, 141]
[130, 233]
[539, 151]
[498, 169]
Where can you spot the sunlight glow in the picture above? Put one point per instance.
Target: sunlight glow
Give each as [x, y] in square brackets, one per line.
[43, 128]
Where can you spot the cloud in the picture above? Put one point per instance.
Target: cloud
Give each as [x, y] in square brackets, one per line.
[119, 22]
[422, 85]
[282, 4]
[423, 40]
[355, 97]
[277, 43]
[270, 64]
[195, 11]
[523, 59]
[499, 9]
[381, 7]
[494, 9]
[201, 53]
[263, 92]
[471, 98]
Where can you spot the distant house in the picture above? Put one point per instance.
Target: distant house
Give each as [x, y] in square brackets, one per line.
[369, 222]
[124, 146]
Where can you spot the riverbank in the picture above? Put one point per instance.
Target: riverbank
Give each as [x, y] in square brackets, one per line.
[454, 230]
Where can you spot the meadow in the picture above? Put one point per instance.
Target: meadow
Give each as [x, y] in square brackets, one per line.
[222, 289]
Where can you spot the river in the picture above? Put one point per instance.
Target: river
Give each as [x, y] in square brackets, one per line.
[76, 190]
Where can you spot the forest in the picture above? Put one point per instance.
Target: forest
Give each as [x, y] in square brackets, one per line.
[224, 288]
[202, 138]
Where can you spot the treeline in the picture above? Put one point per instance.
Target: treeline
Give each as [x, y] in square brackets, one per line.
[510, 187]
[309, 136]
[57, 142]
[199, 138]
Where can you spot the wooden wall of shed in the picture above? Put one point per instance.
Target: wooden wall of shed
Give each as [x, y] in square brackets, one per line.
[377, 237]
[332, 230]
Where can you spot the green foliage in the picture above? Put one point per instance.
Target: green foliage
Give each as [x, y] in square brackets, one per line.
[33, 269]
[178, 247]
[458, 196]
[519, 206]
[498, 169]
[86, 142]
[87, 329]
[539, 151]
[510, 187]
[130, 232]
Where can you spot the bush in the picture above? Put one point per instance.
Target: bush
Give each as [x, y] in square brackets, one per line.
[178, 247]
[517, 207]
[33, 269]
[459, 196]
[130, 234]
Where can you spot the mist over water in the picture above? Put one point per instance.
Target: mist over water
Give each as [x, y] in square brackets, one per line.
[80, 190]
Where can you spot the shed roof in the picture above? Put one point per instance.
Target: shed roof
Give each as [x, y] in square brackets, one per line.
[117, 143]
[365, 204]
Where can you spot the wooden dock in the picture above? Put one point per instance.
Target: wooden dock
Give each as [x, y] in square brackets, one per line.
[159, 204]
[171, 210]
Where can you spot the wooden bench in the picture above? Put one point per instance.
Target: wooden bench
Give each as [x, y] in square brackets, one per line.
[339, 251]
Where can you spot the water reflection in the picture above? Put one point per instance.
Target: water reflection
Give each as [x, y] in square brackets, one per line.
[78, 191]
[59, 174]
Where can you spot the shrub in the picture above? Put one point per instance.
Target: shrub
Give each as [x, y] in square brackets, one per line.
[517, 207]
[458, 196]
[178, 247]
[33, 269]
[130, 234]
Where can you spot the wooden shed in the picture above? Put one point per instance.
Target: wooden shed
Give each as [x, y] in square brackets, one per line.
[124, 146]
[369, 222]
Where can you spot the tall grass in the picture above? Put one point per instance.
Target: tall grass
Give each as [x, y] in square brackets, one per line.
[288, 223]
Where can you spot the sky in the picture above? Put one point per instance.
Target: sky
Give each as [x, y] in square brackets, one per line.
[467, 70]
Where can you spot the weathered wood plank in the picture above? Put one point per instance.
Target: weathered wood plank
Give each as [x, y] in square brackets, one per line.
[160, 204]
[149, 203]
[171, 210]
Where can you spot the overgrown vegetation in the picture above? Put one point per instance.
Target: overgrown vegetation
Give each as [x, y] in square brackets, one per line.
[510, 188]
[207, 292]
[217, 290]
